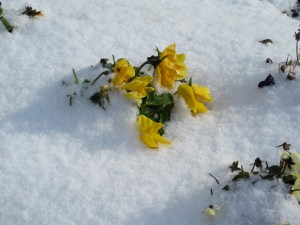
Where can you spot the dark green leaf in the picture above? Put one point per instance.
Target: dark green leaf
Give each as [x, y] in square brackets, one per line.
[289, 179]
[158, 100]
[275, 170]
[241, 175]
[226, 188]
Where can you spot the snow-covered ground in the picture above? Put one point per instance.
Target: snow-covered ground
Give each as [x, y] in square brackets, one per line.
[83, 165]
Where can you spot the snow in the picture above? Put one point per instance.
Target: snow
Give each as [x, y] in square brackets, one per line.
[82, 165]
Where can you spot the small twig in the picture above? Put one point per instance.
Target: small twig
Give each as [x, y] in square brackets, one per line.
[214, 178]
[211, 192]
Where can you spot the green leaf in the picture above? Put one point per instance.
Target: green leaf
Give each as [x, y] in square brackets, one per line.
[241, 175]
[289, 179]
[154, 99]
[157, 107]
[226, 188]
[275, 170]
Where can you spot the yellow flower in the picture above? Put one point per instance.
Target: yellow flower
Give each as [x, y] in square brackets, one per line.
[296, 188]
[193, 95]
[137, 88]
[172, 68]
[149, 129]
[123, 72]
[295, 159]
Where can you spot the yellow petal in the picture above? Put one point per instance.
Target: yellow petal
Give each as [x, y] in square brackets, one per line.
[148, 140]
[149, 89]
[149, 133]
[200, 108]
[135, 94]
[121, 63]
[170, 50]
[210, 212]
[147, 125]
[138, 83]
[186, 91]
[296, 194]
[180, 57]
[159, 138]
[202, 93]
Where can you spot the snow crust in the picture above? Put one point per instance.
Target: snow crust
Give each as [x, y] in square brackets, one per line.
[82, 165]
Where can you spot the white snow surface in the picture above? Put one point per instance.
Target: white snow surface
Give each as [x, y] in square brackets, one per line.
[83, 165]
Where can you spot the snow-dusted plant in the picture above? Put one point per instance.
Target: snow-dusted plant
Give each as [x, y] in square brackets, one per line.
[141, 86]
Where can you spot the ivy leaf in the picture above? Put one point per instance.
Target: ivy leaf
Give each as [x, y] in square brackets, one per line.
[154, 99]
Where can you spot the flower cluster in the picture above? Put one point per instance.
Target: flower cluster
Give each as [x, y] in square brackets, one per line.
[165, 70]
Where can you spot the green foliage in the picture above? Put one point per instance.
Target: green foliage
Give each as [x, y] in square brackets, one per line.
[157, 107]
[226, 188]
[5, 22]
[274, 171]
[242, 175]
[289, 179]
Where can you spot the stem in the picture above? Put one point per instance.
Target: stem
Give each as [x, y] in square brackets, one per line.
[141, 66]
[297, 51]
[214, 178]
[7, 25]
[97, 78]
[75, 76]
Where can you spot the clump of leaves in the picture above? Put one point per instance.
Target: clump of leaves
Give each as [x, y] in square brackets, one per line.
[266, 41]
[269, 172]
[290, 66]
[157, 107]
[241, 175]
[235, 166]
[29, 11]
[101, 96]
[4, 21]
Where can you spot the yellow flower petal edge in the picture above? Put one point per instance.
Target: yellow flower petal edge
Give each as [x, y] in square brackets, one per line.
[172, 68]
[148, 130]
[123, 72]
[138, 87]
[187, 92]
[202, 93]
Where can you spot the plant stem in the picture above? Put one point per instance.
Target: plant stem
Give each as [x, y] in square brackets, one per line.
[97, 78]
[75, 76]
[5, 22]
[297, 54]
[7, 25]
[141, 66]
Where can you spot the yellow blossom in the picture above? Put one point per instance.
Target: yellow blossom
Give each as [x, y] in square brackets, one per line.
[172, 68]
[295, 159]
[210, 211]
[123, 72]
[193, 95]
[149, 129]
[137, 88]
[296, 188]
